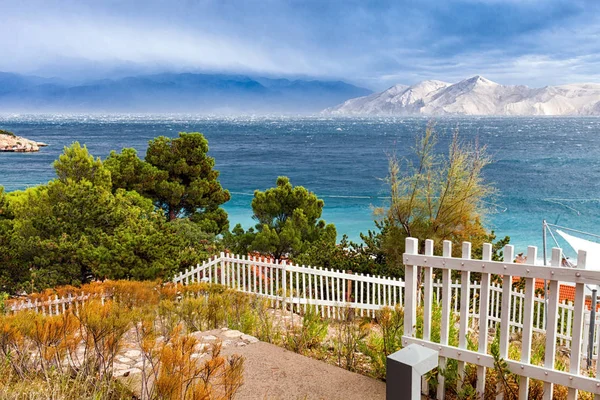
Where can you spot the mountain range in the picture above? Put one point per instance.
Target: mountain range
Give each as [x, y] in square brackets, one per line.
[172, 92]
[475, 96]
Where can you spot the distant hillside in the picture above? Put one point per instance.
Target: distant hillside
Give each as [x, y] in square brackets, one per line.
[475, 96]
[196, 93]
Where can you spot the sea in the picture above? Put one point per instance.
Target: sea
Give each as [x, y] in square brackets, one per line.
[544, 168]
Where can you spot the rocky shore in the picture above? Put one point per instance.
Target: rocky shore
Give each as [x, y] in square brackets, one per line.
[9, 142]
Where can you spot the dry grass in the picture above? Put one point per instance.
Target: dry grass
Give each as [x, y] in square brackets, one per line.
[72, 355]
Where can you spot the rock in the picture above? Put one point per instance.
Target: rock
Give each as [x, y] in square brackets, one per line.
[208, 338]
[119, 367]
[133, 353]
[241, 344]
[232, 334]
[249, 339]
[197, 355]
[197, 335]
[226, 343]
[9, 142]
[123, 360]
[224, 329]
[201, 347]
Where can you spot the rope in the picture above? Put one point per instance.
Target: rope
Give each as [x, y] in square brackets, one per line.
[573, 230]
[558, 245]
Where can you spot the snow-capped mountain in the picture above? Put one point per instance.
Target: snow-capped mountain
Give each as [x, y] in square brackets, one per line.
[475, 96]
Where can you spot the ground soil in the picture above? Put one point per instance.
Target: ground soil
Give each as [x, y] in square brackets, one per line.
[273, 373]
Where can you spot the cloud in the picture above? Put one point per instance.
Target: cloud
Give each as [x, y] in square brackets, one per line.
[372, 43]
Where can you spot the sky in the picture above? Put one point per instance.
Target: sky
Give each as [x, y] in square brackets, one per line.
[374, 44]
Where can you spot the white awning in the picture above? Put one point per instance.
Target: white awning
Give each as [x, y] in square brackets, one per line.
[592, 248]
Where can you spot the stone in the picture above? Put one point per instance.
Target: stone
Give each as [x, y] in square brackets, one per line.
[232, 334]
[119, 367]
[122, 359]
[249, 339]
[133, 353]
[241, 344]
[200, 347]
[197, 355]
[208, 338]
[224, 329]
[12, 143]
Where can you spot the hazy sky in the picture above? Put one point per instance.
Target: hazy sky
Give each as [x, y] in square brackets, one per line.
[374, 44]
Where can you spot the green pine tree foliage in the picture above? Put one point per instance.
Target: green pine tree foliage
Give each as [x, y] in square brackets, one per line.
[76, 228]
[288, 220]
[178, 176]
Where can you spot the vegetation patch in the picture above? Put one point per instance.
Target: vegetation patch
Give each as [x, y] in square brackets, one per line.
[7, 133]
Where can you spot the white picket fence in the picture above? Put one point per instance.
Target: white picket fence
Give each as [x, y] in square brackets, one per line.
[53, 306]
[328, 290]
[574, 379]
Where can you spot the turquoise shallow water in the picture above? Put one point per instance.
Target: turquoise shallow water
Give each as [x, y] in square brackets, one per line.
[544, 167]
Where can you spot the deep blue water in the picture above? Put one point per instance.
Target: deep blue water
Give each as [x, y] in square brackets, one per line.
[544, 167]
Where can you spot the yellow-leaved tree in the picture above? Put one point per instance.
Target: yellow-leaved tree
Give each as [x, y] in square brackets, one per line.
[439, 197]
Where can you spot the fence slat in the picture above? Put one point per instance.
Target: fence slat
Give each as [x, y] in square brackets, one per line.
[575, 359]
[528, 324]
[445, 320]
[465, 278]
[427, 292]
[509, 253]
[550, 352]
[484, 302]
[410, 309]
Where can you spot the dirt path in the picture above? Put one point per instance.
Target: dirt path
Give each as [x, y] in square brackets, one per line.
[274, 373]
[271, 372]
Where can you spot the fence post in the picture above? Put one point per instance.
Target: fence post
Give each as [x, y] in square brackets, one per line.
[404, 369]
[509, 255]
[445, 318]
[484, 312]
[465, 295]
[592, 327]
[551, 323]
[410, 305]
[578, 308]
[348, 288]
